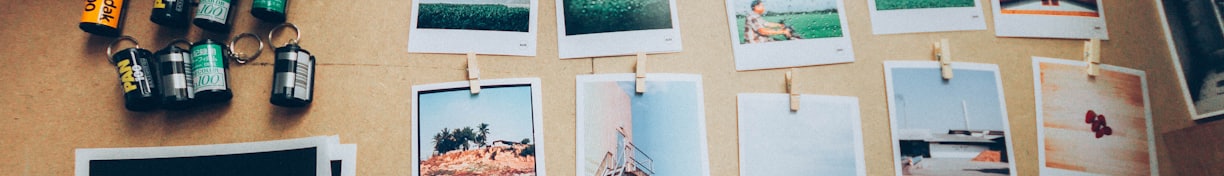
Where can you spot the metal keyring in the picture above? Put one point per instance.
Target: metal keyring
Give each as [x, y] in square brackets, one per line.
[240, 57]
[297, 32]
[110, 50]
[178, 41]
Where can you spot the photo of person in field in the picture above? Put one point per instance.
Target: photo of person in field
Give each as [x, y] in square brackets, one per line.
[787, 20]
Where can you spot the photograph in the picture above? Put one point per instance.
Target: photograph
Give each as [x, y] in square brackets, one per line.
[1098, 125]
[956, 126]
[494, 15]
[600, 16]
[788, 33]
[824, 136]
[1062, 19]
[785, 20]
[920, 16]
[343, 159]
[1193, 31]
[489, 27]
[922, 4]
[600, 28]
[658, 132]
[1084, 8]
[494, 132]
[289, 157]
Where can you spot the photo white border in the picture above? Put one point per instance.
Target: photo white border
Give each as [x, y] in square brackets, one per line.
[1050, 26]
[782, 54]
[537, 116]
[462, 41]
[621, 43]
[322, 158]
[892, 107]
[901, 21]
[580, 114]
[859, 154]
[1181, 76]
[347, 154]
[1037, 94]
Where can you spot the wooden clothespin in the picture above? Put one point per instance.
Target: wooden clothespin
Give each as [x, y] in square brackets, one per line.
[641, 73]
[1092, 55]
[791, 89]
[473, 72]
[943, 53]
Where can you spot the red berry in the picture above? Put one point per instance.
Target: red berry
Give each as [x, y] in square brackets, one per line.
[1101, 118]
[1088, 117]
[1096, 126]
[1099, 135]
[1107, 130]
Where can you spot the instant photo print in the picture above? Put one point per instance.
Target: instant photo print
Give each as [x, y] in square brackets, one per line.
[496, 132]
[1069, 19]
[788, 33]
[957, 126]
[1098, 125]
[917, 16]
[599, 28]
[493, 27]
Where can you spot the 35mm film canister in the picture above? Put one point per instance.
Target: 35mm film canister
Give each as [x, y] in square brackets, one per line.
[103, 17]
[136, 76]
[173, 13]
[214, 15]
[294, 70]
[210, 72]
[269, 10]
[176, 79]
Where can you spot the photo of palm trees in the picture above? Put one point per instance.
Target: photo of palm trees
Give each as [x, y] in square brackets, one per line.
[491, 133]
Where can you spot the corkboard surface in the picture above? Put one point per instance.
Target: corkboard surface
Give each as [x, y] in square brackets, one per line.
[61, 94]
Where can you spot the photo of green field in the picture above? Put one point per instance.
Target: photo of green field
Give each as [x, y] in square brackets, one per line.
[920, 4]
[809, 26]
[810, 19]
[475, 15]
[600, 16]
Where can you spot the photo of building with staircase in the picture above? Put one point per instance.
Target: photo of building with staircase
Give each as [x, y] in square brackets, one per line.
[622, 133]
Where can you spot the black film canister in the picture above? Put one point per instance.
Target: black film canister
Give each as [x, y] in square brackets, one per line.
[269, 10]
[173, 13]
[293, 77]
[176, 80]
[136, 78]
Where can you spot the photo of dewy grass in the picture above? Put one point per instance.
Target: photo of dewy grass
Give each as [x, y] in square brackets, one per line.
[781, 20]
[495, 15]
[600, 16]
[920, 4]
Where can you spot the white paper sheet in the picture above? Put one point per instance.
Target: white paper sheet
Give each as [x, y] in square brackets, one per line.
[824, 136]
